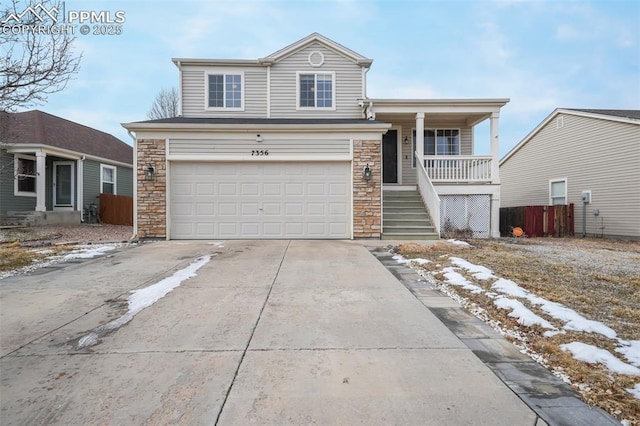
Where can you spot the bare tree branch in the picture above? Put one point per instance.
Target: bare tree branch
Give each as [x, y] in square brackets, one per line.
[34, 64]
[165, 105]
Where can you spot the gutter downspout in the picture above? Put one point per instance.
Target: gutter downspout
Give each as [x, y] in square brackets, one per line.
[179, 90]
[135, 185]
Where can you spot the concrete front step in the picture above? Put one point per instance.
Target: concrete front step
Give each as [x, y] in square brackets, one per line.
[403, 204]
[404, 217]
[408, 229]
[403, 236]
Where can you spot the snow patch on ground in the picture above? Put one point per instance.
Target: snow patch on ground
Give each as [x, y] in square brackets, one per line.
[459, 243]
[573, 320]
[592, 355]
[522, 313]
[635, 391]
[80, 252]
[404, 261]
[479, 272]
[87, 252]
[455, 278]
[143, 298]
[631, 351]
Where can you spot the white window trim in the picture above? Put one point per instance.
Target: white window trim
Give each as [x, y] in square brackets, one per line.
[333, 91]
[435, 129]
[566, 189]
[115, 178]
[15, 176]
[225, 73]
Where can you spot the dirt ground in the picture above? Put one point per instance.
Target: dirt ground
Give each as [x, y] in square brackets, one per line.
[77, 234]
[599, 279]
[31, 246]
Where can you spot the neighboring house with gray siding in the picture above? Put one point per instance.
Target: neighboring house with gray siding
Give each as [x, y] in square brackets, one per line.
[51, 168]
[575, 152]
[291, 145]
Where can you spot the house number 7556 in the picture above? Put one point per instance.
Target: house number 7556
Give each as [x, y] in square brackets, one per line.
[260, 152]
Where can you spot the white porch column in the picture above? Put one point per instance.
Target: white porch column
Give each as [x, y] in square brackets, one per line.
[41, 177]
[420, 136]
[495, 148]
[79, 184]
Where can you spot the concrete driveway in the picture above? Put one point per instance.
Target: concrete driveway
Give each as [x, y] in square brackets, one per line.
[268, 332]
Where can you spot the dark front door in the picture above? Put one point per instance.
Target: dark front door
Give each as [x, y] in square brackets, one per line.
[390, 157]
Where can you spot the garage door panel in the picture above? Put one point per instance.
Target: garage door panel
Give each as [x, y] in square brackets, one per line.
[250, 229]
[272, 189]
[338, 209]
[338, 189]
[272, 209]
[260, 200]
[183, 209]
[205, 188]
[316, 189]
[249, 209]
[205, 209]
[249, 189]
[316, 209]
[316, 229]
[294, 189]
[273, 229]
[227, 209]
[228, 189]
[205, 228]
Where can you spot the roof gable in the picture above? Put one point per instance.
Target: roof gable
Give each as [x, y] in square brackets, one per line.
[622, 116]
[39, 128]
[319, 38]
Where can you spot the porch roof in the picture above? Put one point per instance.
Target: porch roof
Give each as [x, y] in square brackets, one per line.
[39, 129]
[473, 111]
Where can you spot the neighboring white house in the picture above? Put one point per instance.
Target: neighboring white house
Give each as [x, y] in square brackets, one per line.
[589, 157]
[292, 146]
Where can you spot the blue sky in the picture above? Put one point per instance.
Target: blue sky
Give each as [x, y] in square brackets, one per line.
[540, 54]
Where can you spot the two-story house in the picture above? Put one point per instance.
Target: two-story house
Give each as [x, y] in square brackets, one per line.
[291, 146]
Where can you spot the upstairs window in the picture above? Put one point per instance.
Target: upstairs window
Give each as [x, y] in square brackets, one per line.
[224, 91]
[439, 142]
[25, 176]
[558, 191]
[315, 90]
[107, 179]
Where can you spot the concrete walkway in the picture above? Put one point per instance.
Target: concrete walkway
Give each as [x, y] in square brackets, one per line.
[268, 332]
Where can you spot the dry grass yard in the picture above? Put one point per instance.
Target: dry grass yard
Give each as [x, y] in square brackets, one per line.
[599, 279]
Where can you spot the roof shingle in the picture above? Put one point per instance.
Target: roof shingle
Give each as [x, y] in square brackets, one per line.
[37, 127]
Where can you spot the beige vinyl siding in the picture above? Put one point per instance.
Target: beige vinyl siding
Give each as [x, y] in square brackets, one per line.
[281, 148]
[348, 84]
[593, 154]
[408, 172]
[194, 87]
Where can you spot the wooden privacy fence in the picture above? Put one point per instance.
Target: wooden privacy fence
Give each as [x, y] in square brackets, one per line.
[116, 209]
[538, 221]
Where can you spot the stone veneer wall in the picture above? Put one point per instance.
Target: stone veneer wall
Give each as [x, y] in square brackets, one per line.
[367, 195]
[152, 195]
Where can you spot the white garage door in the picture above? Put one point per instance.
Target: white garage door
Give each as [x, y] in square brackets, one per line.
[260, 200]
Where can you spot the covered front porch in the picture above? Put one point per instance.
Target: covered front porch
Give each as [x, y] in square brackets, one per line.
[433, 148]
[47, 186]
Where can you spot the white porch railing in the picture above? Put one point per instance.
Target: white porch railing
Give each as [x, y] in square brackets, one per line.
[458, 168]
[429, 194]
